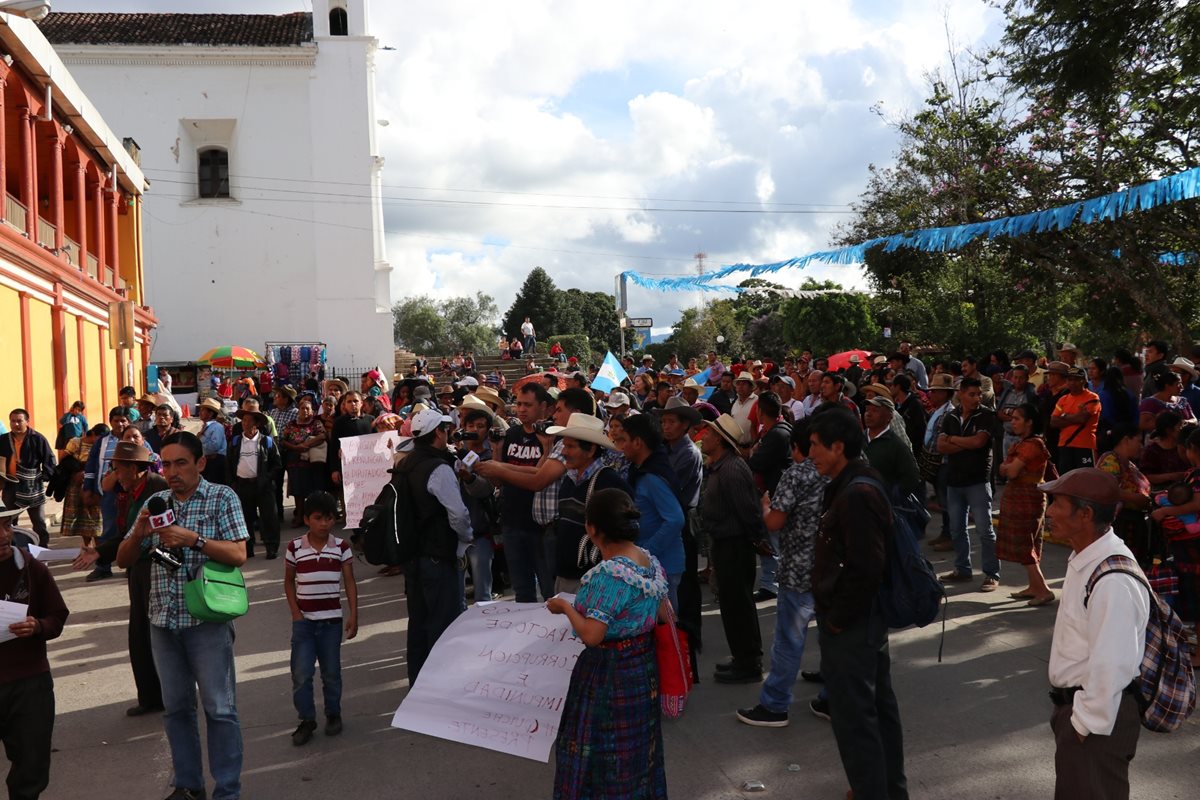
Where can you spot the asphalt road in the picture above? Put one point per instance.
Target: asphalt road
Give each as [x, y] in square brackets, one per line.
[976, 724]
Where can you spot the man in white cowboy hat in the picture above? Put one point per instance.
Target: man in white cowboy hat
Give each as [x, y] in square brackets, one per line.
[26, 688]
[1187, 371]
[744, 408]
[583, 443]
[433, 579]
[212, 436]
[689, 390]
[732, 519]
[253, 468]
[1069, 354]
[647, 365]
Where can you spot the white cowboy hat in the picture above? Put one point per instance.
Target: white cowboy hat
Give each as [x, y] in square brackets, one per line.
[472, 403]
[585, 428]
[730, 430]
[1184, 365]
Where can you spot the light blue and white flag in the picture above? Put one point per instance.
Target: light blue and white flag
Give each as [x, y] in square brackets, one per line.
[610, 374]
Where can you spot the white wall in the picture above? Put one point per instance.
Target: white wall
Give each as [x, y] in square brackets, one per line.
[288, 257]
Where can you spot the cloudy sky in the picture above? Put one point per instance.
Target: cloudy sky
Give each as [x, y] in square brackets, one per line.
[568, 131]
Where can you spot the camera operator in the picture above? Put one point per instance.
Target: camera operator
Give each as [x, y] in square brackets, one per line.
[188, 652]
[474, 442]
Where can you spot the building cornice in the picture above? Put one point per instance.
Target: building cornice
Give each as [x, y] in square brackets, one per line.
[304, 56]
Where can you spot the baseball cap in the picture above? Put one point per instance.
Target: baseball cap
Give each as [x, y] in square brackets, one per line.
[428, 420]
[468, 381]
[882, 402]
[617, 399]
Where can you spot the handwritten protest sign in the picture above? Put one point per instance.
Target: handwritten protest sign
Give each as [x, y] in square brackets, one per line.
[365, 463]
[497, 678]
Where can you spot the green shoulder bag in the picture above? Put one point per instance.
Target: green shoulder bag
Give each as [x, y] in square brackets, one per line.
[217, 593]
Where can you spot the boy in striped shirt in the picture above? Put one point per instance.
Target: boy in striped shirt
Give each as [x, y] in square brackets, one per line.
[316, 564]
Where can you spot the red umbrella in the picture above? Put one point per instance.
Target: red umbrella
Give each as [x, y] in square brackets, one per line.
[537, 376]
[842, 360]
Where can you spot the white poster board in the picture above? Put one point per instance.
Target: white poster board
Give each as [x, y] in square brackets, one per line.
[366, 460]
[497, 678]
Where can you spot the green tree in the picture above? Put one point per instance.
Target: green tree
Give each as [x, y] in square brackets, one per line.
[470, 323]
[829, 323]
[698, 329]
[598, 318]
[417, 325]
[539, 300]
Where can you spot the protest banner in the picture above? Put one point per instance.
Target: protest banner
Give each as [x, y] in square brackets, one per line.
[365, 463]
[497, 678]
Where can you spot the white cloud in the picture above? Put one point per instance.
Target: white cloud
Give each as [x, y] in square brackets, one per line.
[570, 102]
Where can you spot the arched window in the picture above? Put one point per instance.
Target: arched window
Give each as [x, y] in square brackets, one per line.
[339, 22]
[214, 172]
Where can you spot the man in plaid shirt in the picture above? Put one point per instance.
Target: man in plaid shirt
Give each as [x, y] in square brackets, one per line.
[188, 652]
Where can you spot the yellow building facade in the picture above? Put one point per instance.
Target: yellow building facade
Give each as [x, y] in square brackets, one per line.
[70, 241]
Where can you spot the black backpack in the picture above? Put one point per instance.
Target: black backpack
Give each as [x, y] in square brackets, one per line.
[389, 535]
[911, 593]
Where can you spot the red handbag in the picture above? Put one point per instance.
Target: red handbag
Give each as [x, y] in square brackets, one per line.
[674, 665]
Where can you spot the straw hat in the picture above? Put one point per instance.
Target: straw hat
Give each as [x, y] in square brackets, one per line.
[262, 419]
[745, 376]
[585, 428]
[876, 390]
[489, 396]
[943, 381]
[211, 405]
[729, 429]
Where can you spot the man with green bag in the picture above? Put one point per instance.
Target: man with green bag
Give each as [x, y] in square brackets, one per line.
[183, 529]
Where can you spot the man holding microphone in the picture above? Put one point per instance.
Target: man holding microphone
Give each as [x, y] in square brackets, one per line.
[201, 521]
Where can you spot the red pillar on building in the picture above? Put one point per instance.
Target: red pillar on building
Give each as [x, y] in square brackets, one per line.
[28, 160]
[81, 209]
[58, 140]
[98, 206]
[114, 244]
[4, 69]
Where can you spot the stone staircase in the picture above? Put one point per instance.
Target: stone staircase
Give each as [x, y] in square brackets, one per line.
[484, 365]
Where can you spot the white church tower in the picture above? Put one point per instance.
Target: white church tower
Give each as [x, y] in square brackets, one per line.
[264, 220]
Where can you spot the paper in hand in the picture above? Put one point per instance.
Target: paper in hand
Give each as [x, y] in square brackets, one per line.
[10, 613]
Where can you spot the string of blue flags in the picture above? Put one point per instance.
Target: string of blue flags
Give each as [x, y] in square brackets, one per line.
[1164, 191]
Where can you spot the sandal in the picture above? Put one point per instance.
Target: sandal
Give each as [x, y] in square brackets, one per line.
[1024, 594]
[1044, 600]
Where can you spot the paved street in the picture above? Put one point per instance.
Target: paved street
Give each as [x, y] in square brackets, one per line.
[975, 725]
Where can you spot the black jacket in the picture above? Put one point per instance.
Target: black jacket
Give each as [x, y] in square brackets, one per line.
[438, 539]
[270, 465]
[850, 553]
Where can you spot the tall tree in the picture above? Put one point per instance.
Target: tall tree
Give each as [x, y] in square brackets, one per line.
[537, 299]
[470, 323]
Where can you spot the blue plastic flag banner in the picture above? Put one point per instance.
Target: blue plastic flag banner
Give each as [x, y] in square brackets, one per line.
[610, 374]
[1164, 191]
[707, 393]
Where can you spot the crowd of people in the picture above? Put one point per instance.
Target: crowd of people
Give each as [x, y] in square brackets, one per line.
[767, 480]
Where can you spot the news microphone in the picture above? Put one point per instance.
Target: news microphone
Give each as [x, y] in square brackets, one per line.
[161, 515]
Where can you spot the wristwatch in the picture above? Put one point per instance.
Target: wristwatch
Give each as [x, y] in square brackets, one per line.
[200, 542]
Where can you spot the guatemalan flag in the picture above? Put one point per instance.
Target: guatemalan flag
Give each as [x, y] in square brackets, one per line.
[610, 374]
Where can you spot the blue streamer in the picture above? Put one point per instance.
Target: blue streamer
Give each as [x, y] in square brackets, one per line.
[1171, 189]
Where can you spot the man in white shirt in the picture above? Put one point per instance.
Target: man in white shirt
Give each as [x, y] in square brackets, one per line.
[527, 332]
[813, 399]
[784, 386]
[1099, 641]
[743, 406]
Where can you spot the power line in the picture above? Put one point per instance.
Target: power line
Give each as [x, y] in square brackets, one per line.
[492, 191]
[426, 201]
[472, 242]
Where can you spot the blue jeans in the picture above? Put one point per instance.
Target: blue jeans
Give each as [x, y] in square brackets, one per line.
[317, 641]
[768, 565]
[976, 499]
[480, 555]
[794, 610]
[525, 553]
[200, 656]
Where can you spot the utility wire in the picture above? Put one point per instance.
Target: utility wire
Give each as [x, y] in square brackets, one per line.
[490, 191]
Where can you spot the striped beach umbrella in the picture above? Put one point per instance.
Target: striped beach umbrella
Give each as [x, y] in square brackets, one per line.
[232, 357]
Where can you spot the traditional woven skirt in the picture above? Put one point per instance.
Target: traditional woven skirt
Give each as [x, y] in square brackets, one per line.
[610, 739]
[78, 519]
[1019, 536]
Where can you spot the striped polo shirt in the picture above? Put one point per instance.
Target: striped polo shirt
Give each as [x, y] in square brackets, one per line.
[319, 576]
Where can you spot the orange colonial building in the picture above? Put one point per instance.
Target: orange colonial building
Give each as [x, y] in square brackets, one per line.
[70, 240]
